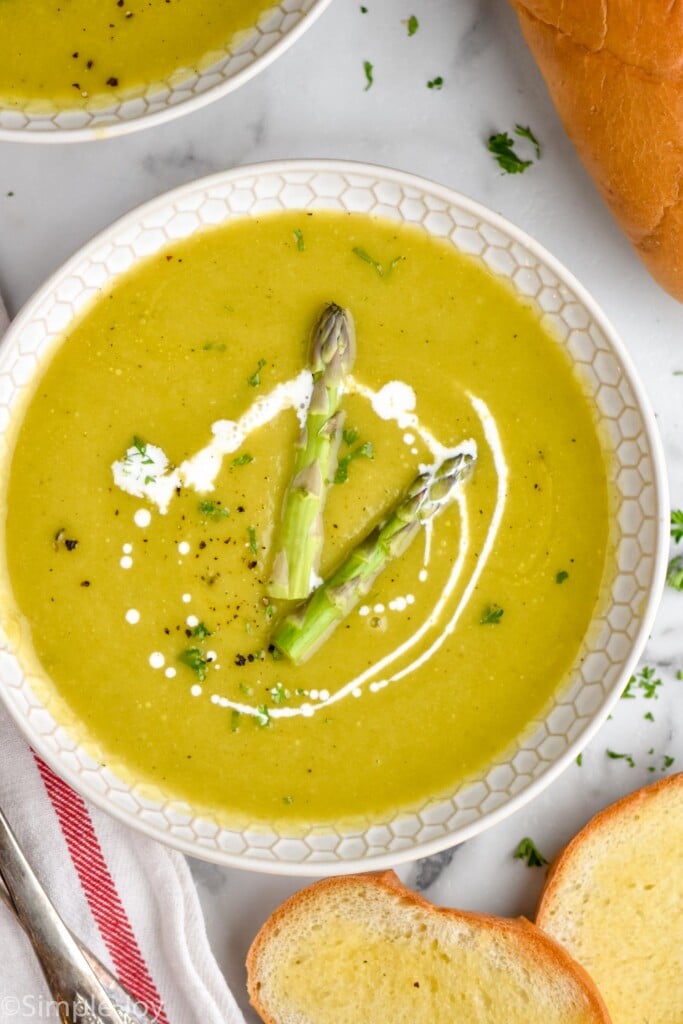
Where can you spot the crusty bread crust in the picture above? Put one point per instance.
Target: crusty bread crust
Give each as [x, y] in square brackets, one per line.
[614, 69]
[534, 945]
[611, 898]
[604, 821]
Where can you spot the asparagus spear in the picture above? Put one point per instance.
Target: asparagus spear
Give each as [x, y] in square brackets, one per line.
[333, 353]
[303, 631]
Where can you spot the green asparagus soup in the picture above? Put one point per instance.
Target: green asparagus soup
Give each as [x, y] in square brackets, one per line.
[146, 506]
[75, 53]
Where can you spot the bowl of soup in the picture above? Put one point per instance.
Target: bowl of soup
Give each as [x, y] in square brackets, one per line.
[156, 403]
[81, 71]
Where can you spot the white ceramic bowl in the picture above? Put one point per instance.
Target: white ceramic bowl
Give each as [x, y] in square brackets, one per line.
[627, 429]
[274, 32]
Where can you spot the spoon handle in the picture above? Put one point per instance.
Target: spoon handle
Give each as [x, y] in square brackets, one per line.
[130, 1010]
[79, 996]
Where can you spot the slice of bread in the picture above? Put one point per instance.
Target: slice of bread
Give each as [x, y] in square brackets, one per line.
[614, 899]
[366, 950]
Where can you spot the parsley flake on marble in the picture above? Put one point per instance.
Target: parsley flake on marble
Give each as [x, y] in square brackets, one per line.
[674, 573]
[646, 682]
[529, 852]
[412, 25]
[501, 146]
[526, 133]
[615, 756]
[369, 74]
[677, 524]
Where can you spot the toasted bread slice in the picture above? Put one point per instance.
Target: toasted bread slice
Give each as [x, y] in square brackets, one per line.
[366, 950]
[614, 899]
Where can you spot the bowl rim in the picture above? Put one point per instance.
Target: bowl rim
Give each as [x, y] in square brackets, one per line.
[424, 848]
[103, 132]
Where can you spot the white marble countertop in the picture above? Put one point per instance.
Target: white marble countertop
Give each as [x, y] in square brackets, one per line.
[313, 102]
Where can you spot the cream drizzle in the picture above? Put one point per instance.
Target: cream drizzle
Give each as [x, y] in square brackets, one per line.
[396, 401]
[354, 686]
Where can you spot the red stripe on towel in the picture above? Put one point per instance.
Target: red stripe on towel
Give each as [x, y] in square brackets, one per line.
[101, 893]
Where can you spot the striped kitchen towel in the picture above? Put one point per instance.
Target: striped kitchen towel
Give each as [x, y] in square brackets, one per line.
[128, 898]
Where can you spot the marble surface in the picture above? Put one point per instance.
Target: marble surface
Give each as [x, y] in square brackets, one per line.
[313, 102]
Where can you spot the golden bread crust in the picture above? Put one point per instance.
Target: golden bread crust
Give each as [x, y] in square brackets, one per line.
[533, 944]
[615, 73]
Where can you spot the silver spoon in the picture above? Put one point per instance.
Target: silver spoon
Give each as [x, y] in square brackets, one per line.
[83, 989]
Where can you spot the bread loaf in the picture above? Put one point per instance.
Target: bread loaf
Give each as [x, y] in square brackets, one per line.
[614, 899]
[614, 69]
[366, 950]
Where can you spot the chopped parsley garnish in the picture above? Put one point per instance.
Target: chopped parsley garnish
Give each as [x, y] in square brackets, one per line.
[491, 615]
[349, 436]
[212, 510]
[435, 83]
[500, 145]
[235, 720]
[201, 631]
[242, 460]
[649, 716]
[412, 24]
[579, 760]
[561, 576]
[262, 716]
[255, 379]
[674, 574]
[677, 525]
[299, 236]
[528, 851]
[621, 757]
[278, 694]
[368, 68]
[9, 194]
[195, 660]
[526, 133]
[645, 681]
[290, 799]
[246, 689]
[668, 761]
[253, 545]
[363, 451]
[141, 448]
[367, 258]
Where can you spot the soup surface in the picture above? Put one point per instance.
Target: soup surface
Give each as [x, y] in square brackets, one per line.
[149, 615]
[56, 54]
